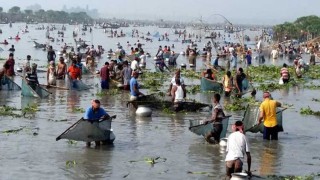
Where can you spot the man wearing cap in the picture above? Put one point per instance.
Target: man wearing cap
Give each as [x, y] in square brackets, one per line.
[268, 113]
[134, 89]
[237, 146]
[94, 114]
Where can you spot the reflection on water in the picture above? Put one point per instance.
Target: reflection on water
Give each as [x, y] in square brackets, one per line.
[270, 157]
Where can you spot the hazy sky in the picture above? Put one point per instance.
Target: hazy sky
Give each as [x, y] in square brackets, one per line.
[237, 11]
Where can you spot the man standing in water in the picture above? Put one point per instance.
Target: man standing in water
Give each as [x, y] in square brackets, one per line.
[178, 94]
[94, 114]
[217, 117]
[238, 81]
[268, 113]
[134, 89]
[284, 72]
[62, 69]
[51, 56]
[173, 81]
[237, 145]
[9, 66]
[126, 75]
[104, 75]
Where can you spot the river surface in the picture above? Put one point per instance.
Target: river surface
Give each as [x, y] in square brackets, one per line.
[33, 152]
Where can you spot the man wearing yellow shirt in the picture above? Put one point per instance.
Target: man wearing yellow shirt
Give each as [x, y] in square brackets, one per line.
[268, 113]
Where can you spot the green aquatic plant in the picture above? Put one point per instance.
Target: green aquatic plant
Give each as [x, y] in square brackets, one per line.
[289, 177]
[13, 130]
[193, 89]
[71, 163]
[72, 142]
[30, 108]
[108, 92]
[235, 106]
[309, 111]
[191, 74]
[9, 111]
[78, 110]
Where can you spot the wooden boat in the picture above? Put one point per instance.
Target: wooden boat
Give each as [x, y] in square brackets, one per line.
[200, 128]
[83, 130]
[38, 45]
[78, 85]
[39, 92]
[209, 85]
[251, 119]
[7, 84]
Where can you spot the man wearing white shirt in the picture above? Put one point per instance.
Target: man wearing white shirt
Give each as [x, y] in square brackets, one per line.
[135, 64]
[237, 147]
[173, 81]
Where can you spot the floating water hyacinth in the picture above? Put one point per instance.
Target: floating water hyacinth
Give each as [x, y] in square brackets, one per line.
[70, 163]
[309, 111]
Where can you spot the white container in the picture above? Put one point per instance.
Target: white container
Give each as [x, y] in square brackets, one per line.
[223, 142]
[143, 111]
[239, 176]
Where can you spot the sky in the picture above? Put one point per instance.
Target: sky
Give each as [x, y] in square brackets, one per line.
[267, 12]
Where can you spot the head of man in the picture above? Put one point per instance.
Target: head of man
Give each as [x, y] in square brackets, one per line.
[74, 63]
[28, 57]
[135, 74]
[95, 104]
[216, 98]
[285, 65]
[125, 63]
[34, 67]
[106, 63]
[61, 59]
[266, 95]
[240, 71]
[11, 56]
[238, 126]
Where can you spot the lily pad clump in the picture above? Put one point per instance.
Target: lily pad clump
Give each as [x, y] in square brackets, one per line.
[193, 89]
[309, 111]
[78, 110]
[187, 73]
[151, 160]
[71, 163]
[235, 106]
[9, 111]
[31, 108]
[307, 177]
[264, 73]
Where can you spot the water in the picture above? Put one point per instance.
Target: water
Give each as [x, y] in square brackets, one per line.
[28, 156]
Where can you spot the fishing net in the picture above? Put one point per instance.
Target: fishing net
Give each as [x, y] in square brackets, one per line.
[7, 84]
[198, 127]
[38, 91]
[84, 130]
[207, 85]
[251, 119]
[161, 101]
[78, 85]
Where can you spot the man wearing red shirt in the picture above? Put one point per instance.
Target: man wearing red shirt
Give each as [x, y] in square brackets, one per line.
[104, 75]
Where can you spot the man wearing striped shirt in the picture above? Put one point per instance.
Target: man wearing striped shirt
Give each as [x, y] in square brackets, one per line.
[285, 73]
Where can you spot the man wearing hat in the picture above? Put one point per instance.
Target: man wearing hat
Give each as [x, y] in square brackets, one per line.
[268, 113]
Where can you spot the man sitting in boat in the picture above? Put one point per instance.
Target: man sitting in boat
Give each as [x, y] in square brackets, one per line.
[32, 77]
[26, 65]
[178, 94]
[74, 71]
[94, 114]
[134, 89]
[173, 81]
[217, 117]
[237, 145]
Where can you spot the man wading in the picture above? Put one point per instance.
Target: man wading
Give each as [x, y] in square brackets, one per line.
[93, 114]
[237, 146]
[268, 113]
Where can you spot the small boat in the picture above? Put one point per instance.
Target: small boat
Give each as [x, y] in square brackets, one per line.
[251, 119]
[78, 85]
[86, 131]
[39, 92]
[209, 85]
[200, 128]
[7, 84]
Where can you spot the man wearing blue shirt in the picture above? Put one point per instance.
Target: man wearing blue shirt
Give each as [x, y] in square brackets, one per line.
[134, 89]
[94, 114]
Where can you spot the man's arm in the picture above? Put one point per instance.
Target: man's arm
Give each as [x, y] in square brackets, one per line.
[261, 116]
[249, 163]
[173, 93]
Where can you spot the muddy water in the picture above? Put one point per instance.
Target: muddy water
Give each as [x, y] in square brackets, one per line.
[33, 152]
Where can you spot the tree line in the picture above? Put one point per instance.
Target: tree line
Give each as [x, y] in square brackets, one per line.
[302, 29]
[15, 14]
